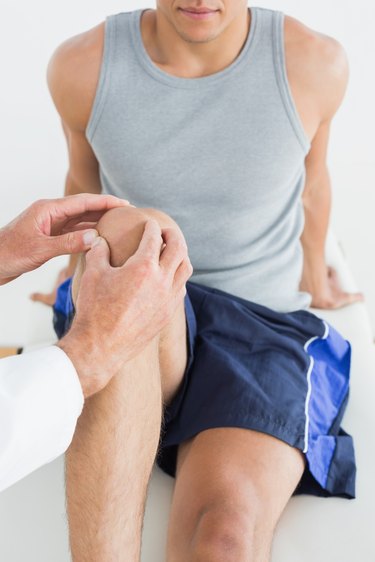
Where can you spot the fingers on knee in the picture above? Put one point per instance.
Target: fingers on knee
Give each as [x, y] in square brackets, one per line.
[123, 228]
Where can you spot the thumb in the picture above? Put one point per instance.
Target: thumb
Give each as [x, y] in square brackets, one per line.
[99, 254]
[73, 242]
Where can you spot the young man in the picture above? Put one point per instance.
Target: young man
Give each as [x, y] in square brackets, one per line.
[219, 116]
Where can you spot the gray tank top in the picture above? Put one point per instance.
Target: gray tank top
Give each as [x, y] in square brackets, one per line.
[222, 154]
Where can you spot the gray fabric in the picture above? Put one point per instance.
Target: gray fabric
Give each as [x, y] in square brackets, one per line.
[222, 154]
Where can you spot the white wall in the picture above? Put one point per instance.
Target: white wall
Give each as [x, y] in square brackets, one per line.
[33, 155]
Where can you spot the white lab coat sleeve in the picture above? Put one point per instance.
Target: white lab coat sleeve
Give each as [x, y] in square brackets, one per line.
[40, 401]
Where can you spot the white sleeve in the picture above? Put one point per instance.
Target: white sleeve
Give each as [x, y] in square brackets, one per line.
[40, 401]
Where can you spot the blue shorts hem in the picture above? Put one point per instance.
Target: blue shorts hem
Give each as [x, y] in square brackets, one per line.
[340, 482]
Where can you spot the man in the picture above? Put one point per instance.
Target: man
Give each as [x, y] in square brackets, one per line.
[219, 116]
[42, 392]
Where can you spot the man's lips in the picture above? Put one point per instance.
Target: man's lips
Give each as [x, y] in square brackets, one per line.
[198, 10]
[198, 13]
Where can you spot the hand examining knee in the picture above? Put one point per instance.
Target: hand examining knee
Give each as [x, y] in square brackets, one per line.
[121, 307]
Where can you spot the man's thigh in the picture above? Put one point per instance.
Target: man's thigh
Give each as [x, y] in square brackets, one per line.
[123, 228]
[236, 480]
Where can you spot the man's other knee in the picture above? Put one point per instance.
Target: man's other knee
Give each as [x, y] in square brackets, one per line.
[224, 535]
[123, 229]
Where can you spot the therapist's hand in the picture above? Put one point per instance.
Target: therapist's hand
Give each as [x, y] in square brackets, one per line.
[49, 228]
[119, 310]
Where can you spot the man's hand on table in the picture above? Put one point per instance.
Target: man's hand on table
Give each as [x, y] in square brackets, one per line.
[325, 289]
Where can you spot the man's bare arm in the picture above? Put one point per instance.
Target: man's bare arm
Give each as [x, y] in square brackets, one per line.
[319, 280]
[318, 72]
[72, 75]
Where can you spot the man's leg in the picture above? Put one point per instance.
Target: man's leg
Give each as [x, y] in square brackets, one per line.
[232, 485]
[109, 462]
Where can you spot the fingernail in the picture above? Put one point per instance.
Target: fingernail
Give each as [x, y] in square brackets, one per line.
[127, 203]
[97, 241]
[89, 237]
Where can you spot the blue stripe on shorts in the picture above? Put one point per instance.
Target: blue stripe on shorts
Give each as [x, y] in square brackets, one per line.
[327, 452]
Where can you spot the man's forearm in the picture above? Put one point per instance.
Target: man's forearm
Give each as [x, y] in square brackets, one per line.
[317, 207]
[319, 279]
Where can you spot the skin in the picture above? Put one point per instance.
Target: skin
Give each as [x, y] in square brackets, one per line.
[132, 303]
[122, 307]
[123, 232]
[123, 421]
[50, 228]
[254, 487]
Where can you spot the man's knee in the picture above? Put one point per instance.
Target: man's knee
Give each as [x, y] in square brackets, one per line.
[236, 525]
[224, 535]
[123, 229]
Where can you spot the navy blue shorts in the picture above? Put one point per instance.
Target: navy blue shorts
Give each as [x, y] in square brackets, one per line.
[284, 374]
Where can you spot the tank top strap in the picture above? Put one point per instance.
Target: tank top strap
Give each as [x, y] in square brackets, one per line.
[277, 20]
[265, 25]
[117, 50]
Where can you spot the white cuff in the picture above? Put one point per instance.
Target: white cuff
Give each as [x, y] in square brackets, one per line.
[40, 401]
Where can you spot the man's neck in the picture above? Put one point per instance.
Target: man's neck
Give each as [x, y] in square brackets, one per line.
[190, 50]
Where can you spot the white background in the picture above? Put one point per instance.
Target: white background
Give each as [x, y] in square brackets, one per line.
[33, 155]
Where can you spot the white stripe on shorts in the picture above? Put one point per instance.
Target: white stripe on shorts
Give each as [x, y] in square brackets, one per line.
[308, 395]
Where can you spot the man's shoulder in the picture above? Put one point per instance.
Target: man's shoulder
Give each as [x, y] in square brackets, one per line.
[318, 62]
[73, 73]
